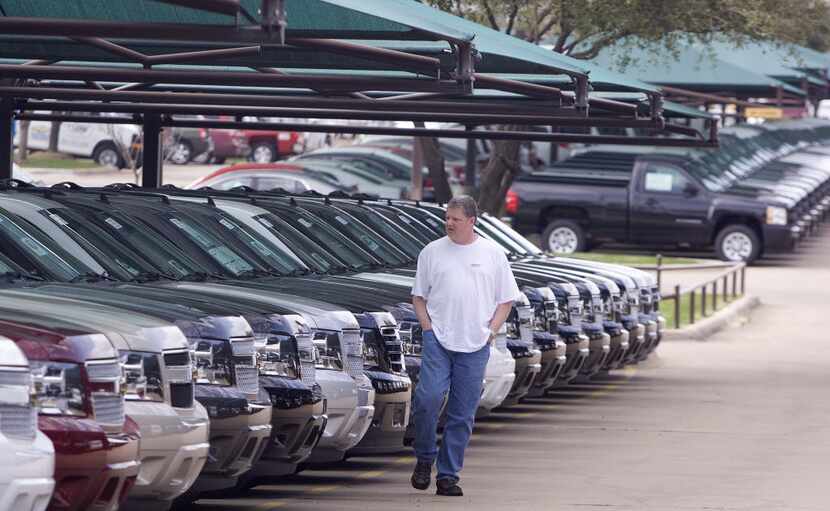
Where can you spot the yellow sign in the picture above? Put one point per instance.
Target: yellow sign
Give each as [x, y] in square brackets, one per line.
[764, 112]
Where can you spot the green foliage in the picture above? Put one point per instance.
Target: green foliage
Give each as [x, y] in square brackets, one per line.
[581, 28]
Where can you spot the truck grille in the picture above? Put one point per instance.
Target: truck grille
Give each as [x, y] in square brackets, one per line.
[242, 347]
[247, 378]
[104, 371]
[305, 352]
[525, 323]
[108, 408]
[18, 421]
[181, 395]
[179, 371]
[352, 346]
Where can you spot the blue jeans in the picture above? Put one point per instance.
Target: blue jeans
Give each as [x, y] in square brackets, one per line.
[461, 374]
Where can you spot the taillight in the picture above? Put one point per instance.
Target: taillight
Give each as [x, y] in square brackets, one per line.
[511, 203]
[427, 182]
[203, 133]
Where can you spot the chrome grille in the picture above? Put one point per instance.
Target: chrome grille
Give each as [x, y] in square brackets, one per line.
[352, 346]
[18, 421]
[17, 378]
[177, 366]
[525, 323]
[242, 347]
[247, 378]
[108, 408]
[575, 310]
[305, 352]
[104, 371]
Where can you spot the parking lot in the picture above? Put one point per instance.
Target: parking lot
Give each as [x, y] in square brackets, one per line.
[739, 422]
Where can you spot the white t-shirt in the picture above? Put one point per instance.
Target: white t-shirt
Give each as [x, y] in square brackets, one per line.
[463, 285]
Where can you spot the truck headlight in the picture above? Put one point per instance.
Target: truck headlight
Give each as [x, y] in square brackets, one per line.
[59, 388]
[370, 356]
[776, 215]
[327, 353]
[275, 356]
[211, 365]
[142, 376]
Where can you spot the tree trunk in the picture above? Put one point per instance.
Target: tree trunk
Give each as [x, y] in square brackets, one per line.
[23, 142]
[498, 175]
[54, 133]
[434, 160]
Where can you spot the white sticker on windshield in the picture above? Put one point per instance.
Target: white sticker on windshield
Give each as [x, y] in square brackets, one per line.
[229, 259]
[305, 223]
[266, 222]
[58, 219]
[405, 219]
[341, 220]
[229, 225]
[34, 246]
[113, 222]
[658, 182]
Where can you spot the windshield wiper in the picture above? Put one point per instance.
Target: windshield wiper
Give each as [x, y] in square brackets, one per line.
[91, 277]
[152, 276]
[255, 273]
[201, 276]
[16, 275]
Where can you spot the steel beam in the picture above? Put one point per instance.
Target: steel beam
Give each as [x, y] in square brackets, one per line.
[366, 114]
[228, 7]
[152, 165]
[6, 138]
[399, 59]
[525, 88]
[228, 78]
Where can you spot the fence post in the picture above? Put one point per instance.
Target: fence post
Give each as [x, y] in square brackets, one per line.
[743, 280]
[692, 307]
[725, 288]
[659, 271]
[734, 284]
[714, 296]
[703, 301]
[677, 306]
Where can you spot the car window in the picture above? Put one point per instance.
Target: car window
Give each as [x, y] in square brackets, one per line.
[664, 179]
[287, 183]
[230, 182]
[37, 249]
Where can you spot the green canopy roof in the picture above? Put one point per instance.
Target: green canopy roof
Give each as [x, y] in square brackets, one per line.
[691, 69]
[780, 62]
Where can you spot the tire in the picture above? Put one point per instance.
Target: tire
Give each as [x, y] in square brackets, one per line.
[181, 153]
[107, 155]
[219, 159]
[564, 237]
[263, 152]
[736, 243]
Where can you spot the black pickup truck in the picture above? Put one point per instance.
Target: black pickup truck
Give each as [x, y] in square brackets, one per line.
[649, 199]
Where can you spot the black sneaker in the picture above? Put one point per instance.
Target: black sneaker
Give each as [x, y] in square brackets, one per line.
[421, 475]
[448, 488]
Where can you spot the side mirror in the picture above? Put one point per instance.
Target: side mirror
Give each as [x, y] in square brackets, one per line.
[690, 190]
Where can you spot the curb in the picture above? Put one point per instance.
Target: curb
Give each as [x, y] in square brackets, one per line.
[705, 328]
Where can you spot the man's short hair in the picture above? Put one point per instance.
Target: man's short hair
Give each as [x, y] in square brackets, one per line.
[466, 204]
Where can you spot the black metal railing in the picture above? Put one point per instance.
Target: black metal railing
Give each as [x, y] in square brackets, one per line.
[726, 285]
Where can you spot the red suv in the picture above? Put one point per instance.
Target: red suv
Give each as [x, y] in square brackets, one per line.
[77, 379]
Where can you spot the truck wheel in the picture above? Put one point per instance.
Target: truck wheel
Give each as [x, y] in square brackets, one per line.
[738, 243]
[563, 237]
[107, 155]
[263, 152]
[181, 153]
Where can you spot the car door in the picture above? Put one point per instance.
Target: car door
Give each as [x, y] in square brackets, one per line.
[668, 207]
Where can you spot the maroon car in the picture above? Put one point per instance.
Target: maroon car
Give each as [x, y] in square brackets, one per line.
[77, 378]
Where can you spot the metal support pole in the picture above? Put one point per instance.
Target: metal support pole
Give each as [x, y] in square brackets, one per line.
[692, 307]
[725, 288]
[677, 306]
[470, 164]
[703, 301]
[734, 284]
[151, 153]
[6, 138]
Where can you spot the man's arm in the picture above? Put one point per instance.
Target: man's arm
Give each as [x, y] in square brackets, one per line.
[499, 317]
[420, 306]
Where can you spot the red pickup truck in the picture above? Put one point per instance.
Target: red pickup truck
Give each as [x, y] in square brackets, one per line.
[269, 145]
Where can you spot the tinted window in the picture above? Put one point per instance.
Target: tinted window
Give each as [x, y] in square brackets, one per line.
[664, 179]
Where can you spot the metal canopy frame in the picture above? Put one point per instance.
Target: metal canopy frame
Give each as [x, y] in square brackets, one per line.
[432, 93]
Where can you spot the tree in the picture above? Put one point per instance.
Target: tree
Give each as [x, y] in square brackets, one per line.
[582, 28]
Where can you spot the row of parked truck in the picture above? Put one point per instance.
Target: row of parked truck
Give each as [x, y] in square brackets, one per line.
[762, 191]
[157, 344]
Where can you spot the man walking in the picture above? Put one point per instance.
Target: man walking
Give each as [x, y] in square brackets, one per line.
[462, 295]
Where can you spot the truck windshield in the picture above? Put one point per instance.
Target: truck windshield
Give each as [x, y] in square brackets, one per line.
[402, 240]
[308, 251]
[24, 243]
[219, 251]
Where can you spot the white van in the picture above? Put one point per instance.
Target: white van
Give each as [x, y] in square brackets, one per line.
[85, 139]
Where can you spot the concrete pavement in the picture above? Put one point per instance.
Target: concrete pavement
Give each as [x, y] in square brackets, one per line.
[740, 422]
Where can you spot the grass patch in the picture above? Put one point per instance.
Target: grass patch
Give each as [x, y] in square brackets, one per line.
[667, 306]
[47, 160]
[603, 257]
